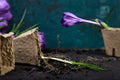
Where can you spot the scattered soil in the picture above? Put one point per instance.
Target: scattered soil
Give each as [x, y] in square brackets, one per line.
[64, 71]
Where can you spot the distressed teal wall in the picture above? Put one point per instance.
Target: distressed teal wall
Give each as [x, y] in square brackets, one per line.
[48, 13]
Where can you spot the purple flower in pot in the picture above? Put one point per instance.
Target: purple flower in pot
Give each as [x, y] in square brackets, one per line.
[5, 15]
[4, 6]
[42, 40]
[70, 19]
[3, 25]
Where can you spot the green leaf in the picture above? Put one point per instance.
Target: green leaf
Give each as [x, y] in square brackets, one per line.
[102, 24]
[13, 28]
[35, 25]
[17, 33]
[1, 27]
[18, 26]
[90, 66]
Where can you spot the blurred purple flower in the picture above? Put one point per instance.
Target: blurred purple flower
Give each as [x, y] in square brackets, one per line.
[6, 16]
[14, 36]
[70, 19]
[4, 6]
[3, 25]
[42, 40]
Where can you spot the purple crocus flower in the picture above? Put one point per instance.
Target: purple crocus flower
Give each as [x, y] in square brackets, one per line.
[3, 25]
[70, 19]
[4, 6]
[6, 16]
[42, 40]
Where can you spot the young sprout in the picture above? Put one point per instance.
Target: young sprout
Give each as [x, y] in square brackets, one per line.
[16, 30]
[70, 19]
[85, 65]
[102, 24]
[17, 27]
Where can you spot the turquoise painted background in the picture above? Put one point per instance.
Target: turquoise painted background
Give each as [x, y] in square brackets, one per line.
[48, 13]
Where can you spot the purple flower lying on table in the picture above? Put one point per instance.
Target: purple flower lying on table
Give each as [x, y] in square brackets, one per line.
[70, 19]
[42, 40]
[5, 14]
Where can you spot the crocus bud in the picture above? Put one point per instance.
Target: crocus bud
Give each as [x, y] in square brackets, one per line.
[42, 40]
[70, 19]
[4, 6]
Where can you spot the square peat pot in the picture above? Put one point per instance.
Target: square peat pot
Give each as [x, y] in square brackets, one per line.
[111, 39]
[7, 59]
[27, 47]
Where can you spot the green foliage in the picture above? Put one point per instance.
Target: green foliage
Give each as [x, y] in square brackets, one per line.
[90, 66]
[0, 27]
[16, 27]
[35, 25]
[102, 24]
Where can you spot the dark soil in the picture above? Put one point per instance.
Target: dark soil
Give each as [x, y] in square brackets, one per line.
[69, 72]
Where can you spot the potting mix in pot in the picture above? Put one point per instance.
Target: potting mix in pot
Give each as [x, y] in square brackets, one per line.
[28, 46]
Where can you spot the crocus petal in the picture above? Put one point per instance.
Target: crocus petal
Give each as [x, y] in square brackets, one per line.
[3, 25]
[6, 16]
[42, 40]
[70, 15]
[69, 19]
[4, 6]
[69, 23]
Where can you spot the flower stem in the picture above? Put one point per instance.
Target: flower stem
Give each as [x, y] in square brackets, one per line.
[57, 59]
[90, 22]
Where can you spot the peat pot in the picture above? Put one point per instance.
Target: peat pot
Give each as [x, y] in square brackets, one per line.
[7, 59]
[27, 47]
[111, 39]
